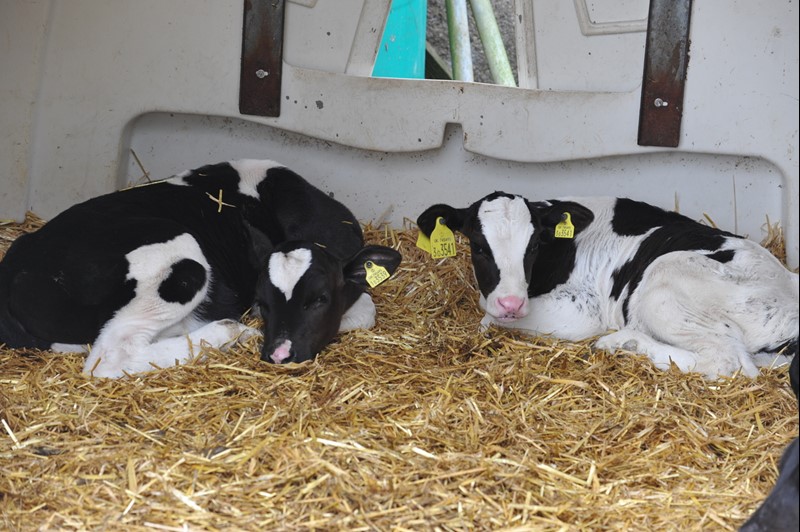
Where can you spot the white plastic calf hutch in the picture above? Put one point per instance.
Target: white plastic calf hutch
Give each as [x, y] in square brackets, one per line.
[86, 84]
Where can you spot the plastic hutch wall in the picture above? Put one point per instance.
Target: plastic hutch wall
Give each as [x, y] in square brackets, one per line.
[86, 84]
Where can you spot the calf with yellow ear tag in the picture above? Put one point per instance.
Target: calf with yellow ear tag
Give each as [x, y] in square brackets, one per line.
[642, 278]
[307, 295]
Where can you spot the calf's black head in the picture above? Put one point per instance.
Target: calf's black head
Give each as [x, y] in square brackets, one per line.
[302, 293]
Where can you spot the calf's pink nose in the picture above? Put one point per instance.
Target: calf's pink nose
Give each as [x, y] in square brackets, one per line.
[511, 304]
[282, 352]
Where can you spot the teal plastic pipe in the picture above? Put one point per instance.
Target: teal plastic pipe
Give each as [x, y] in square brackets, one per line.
[402, 50]
[492, 41]
[458, 31]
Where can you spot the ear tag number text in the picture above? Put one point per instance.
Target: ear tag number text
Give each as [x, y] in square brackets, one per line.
[376, 274]
[443, 242]
[565, 229]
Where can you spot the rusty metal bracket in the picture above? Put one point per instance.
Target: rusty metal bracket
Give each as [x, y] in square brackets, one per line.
[665, 63]
[262, 58]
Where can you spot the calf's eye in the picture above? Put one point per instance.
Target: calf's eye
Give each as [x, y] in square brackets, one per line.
[317, 302]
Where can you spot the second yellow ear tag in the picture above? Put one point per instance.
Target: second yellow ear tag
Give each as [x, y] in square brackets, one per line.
[565, 229]
[443, 242]
[376, 274]
[423, 242]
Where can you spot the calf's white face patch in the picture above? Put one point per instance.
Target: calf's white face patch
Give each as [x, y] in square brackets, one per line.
[286, 269]
[507, 227]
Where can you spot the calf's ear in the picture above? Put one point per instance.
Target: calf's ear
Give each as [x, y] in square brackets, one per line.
[354, 268]
[453, 218]
[260, 247]
[546, 216]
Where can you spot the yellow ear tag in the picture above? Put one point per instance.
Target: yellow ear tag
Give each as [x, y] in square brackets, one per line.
[375, 274]
[565, 229]
[423, 242]
[443, 243]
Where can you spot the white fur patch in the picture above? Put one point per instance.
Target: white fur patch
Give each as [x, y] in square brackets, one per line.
[251, 173]
[360, 315]
[152, 263]
[180, 178]
[507, 227]
[286, 269]
[69, 348]
[115, 359]
[124, 342]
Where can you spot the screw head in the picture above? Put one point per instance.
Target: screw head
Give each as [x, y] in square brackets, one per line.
[261, 73]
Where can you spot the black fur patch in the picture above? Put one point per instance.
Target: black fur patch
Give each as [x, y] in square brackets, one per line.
[291, 200]
[723, 256]
[50, 305]
[633, 218]
[184, 281]
[553, 266]
[486, 271]
[556, 256]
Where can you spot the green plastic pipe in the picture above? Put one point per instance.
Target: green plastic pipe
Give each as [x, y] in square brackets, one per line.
[493, 46]
[458, 31]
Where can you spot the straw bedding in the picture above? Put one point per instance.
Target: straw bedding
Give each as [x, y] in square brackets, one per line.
[422, 423]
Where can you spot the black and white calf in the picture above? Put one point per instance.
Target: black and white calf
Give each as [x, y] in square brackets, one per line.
[671, 288]
[148, 273]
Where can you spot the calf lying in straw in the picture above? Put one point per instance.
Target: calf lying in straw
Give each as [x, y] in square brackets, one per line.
[673, 289]
[147, 274]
